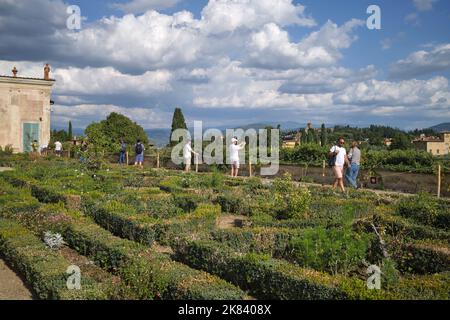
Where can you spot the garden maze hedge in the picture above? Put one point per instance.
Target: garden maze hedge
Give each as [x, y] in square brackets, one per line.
[157, 234]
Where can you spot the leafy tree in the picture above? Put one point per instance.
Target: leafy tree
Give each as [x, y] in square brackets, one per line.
[400, 141]
[106, 134]
[58, 135]
[178, 122]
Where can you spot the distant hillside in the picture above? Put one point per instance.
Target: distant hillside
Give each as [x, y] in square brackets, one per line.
[441, 127]
[159, 136]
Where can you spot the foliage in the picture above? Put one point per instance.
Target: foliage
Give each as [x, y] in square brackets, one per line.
[290, 201]
[106, 134]
[335, 250]
[8, 150]
[422, 208]
[178, 122]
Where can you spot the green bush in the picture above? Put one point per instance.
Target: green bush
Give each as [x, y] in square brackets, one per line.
[422, 208]
[421, 257]
[267, 278]
[290, 201]
[331, 250]
[44, 269]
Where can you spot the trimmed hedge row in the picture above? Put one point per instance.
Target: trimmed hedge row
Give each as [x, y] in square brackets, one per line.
[273, 241]
[396, 225]
[147, 273]
[150, 274]
[266, 278]
[422, 257]
[43, 268]
[146, 230]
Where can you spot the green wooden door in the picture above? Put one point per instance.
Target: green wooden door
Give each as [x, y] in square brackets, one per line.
[30, 133]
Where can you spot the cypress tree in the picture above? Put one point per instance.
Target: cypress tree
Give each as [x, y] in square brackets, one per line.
[323, 135]
[69, 134]
[178, 122]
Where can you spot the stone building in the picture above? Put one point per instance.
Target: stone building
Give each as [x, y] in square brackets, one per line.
[437, 146]
[25, 110]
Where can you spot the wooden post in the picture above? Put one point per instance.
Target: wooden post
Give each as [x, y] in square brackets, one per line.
[439, 182]
[196, 163]
[157, 160]
[250, 168]
[323, 168]
[126, 153]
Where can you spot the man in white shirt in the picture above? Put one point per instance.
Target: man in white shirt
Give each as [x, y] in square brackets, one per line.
[187, 154]
[58, 148]
[339, 156]
[234, 155]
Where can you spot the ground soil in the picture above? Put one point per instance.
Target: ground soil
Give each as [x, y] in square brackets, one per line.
[11, 285]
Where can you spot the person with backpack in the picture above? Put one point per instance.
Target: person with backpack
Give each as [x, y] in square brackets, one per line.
[139, 149]
[123, 151]
[337, 159]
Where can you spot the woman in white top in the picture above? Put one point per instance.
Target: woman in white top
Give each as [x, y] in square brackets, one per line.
[187, 151]
[338, 151]
[58, 148]
[234, 155]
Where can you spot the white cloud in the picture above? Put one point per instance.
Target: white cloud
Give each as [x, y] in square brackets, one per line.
[82, 115]
[231, 86]
[386, 93]
[152, 40]
[424, 5]
[140, 6]
[108, 81]
[422, 62]
[412, 18]
[271, 48]
[229, 15]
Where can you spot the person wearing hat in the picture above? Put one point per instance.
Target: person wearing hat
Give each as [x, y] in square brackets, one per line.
[234, 155]
[187, 154]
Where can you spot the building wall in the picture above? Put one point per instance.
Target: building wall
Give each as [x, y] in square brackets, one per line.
[437, 148]
[23, 100]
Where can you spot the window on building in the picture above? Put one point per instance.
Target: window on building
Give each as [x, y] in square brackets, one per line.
[437, 151]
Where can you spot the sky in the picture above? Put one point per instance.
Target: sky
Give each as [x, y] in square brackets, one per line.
[235, 62]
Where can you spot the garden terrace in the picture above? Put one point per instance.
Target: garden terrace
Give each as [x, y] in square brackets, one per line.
[159, 234]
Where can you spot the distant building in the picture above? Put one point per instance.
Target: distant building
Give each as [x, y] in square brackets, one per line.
[291, 141]
[437, 146]
[387, 142]
[25, 110]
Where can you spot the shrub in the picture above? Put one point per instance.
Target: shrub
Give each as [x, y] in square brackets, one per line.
[290, 201]
[421, 257]
[268, 278]
[43, 268]
[332, 250]
[422, 208]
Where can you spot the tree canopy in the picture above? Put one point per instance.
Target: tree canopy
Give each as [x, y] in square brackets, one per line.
[106, 134]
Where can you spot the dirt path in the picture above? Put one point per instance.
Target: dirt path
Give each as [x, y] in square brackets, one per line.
[11, 286]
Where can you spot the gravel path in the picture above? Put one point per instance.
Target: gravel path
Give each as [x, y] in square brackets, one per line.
[11, 286]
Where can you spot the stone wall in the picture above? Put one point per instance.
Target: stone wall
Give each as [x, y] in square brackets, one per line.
[24, 100]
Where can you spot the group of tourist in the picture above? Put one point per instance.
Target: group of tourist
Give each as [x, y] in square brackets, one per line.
[339, 159]
[139, 153]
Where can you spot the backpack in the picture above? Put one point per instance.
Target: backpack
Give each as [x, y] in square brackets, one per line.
[139, 148]
[332, 159]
